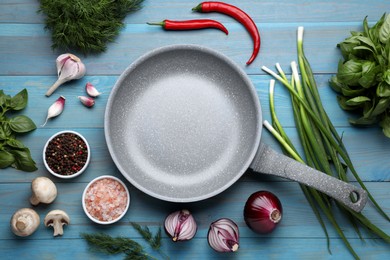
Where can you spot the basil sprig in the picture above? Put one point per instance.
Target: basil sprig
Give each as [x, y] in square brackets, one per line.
[12, 151]
[363, 77]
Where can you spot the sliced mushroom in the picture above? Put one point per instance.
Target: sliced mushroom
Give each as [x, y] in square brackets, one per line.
[43, 191]
[56, 219]
[24, 222]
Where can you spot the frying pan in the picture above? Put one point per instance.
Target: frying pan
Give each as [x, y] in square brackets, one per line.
[183, 123]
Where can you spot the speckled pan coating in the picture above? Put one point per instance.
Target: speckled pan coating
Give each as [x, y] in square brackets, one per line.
[183, 123]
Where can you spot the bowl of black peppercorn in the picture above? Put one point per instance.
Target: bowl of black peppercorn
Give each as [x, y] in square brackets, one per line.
[66, 154]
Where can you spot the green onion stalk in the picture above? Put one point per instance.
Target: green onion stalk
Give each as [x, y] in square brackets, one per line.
[323, 147]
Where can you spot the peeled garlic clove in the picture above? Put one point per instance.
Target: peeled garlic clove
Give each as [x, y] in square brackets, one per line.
[180, 225]
[91, 90]
[69, 67]
[87, 101]
[223, 235]
[55, 109]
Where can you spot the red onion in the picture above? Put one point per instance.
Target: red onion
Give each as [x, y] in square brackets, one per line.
[223, 235]
[180, 225]
[263, 212]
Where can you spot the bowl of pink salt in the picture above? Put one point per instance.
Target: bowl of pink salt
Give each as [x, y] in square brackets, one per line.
[106, 199]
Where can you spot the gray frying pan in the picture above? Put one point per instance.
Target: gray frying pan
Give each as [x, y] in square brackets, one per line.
[183, 123]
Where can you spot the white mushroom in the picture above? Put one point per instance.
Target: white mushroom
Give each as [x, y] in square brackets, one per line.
[43, 191]
[24, 222]
[56, 219]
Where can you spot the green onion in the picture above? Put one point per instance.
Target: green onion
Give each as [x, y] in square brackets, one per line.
[322, 146]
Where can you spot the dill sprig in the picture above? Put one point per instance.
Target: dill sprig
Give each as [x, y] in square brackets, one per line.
[153, 241]
[85, 25]
[116, 245]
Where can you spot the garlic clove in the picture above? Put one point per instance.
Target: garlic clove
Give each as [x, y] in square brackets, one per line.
[55, 109]
[223, 235]
[180, 225]
[91, 90]
[87, 101]
[69, 67]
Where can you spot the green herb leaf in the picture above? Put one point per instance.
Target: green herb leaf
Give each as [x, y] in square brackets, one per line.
[357, 101]
[15, 143]
[343, 103]
[23, 160]
[383, 89]
[384, 32]
[385, 124]
[2, 97]
[19, 101]
[22, 124]
[363, 121]
[115, 245]
[350, 72]
[381, 106]
[86, 25]
[6, 159]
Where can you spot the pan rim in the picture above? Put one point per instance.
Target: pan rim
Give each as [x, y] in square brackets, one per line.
[141, 60]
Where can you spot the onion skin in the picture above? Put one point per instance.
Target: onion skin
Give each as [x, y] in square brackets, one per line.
[263, 212]
[223, 235]
[180, 225]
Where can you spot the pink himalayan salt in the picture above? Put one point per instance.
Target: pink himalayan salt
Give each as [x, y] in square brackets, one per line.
[106, 199]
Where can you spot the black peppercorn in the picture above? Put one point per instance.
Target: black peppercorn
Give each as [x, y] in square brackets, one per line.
[66, 154]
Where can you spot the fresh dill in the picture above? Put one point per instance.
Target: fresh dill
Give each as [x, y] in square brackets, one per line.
[122, 245]
[85, 25]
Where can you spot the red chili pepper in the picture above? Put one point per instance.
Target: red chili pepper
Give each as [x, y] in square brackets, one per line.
[239, 15]
[191, 25]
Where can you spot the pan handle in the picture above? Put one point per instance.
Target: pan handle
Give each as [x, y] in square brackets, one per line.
[268, 161]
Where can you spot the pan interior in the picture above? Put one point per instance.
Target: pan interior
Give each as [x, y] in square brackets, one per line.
[182, 124]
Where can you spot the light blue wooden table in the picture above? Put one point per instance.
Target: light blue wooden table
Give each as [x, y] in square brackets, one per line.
[27, 61]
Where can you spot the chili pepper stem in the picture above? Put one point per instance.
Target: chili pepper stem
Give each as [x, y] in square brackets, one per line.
[160, 23]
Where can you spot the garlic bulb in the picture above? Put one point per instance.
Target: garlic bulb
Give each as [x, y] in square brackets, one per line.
[69, 67]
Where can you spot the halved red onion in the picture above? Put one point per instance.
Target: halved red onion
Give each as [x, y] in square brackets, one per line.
[223, 235]
[180, 225]
[263, 212]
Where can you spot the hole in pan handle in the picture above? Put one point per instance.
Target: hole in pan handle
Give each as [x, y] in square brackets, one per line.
[268, 161]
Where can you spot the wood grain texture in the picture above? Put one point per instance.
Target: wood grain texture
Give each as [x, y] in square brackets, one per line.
[27, 61]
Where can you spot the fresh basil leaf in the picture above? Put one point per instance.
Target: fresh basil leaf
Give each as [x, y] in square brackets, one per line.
[384, 32]
[357, 101]
[369, 74]
[6, 159]
[2, 97]
[23, 160]
[343, 103]
[15, 143]
[386, 76]
[335, 84]
[350, 72]
[381, 106]
[383, 89]
[348, 92]
[374, 30]
[366, 28]
[385, 124]
[367, 41]
[19, 101]
[363, 121]
[21, 124]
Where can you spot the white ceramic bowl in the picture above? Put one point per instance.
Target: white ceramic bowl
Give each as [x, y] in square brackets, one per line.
[75, 174]
[85, 207]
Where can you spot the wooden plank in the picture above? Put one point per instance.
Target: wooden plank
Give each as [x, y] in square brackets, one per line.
[278, 45]
[267, 248]
[284, 11]
[146, 210]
